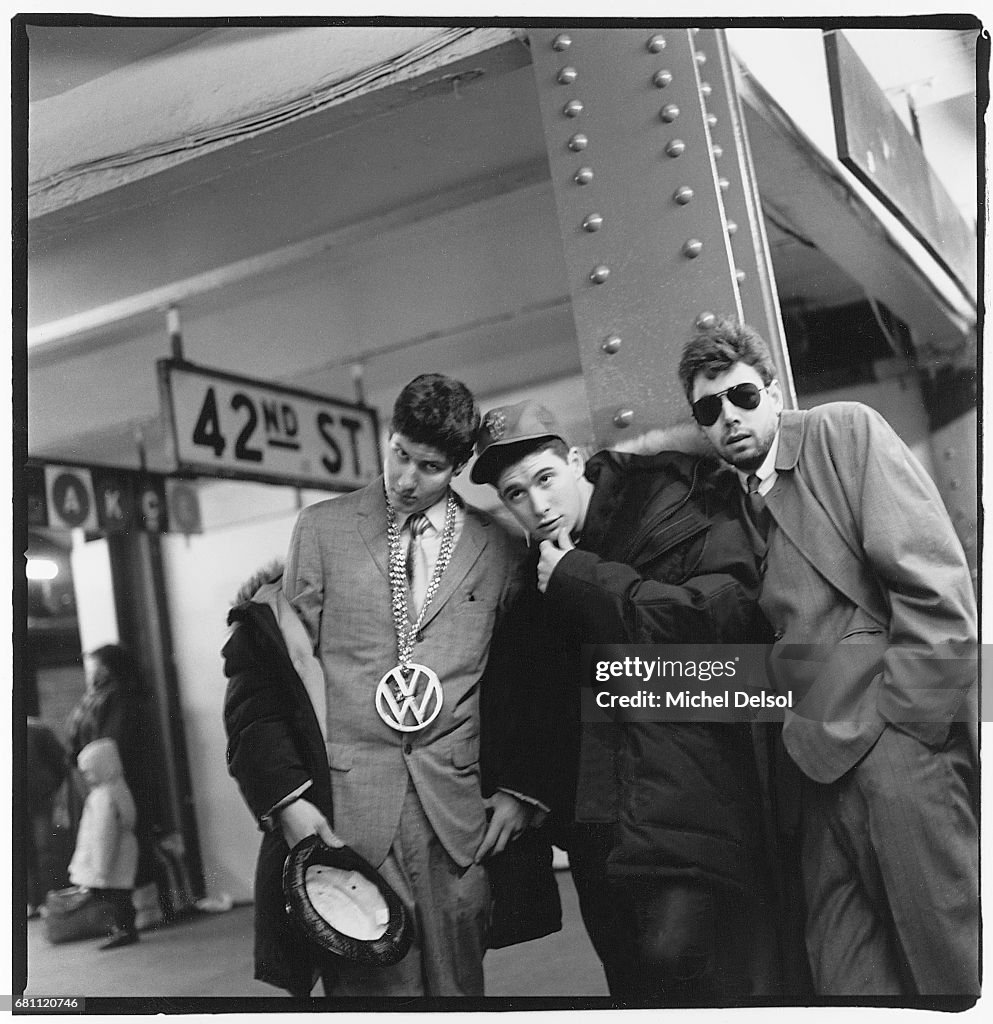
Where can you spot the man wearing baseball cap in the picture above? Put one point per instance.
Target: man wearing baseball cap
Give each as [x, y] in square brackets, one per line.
[661, 820]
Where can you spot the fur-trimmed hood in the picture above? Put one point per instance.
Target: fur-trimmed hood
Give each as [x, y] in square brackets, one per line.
[271, 572]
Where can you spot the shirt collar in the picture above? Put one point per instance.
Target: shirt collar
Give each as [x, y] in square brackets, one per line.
[435, 514]
[766, 470]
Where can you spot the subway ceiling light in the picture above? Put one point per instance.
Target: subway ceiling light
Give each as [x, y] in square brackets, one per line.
[41, 569]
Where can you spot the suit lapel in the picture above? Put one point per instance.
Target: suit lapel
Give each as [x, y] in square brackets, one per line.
[808, 524]
[467, 551]
[372, 525]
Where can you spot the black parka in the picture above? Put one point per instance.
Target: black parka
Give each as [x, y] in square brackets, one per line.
[664, 558]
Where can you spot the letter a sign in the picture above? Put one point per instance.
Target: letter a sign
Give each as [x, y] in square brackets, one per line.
[71, 502]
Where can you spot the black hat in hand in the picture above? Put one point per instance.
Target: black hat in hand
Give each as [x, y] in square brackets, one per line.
[343, 905]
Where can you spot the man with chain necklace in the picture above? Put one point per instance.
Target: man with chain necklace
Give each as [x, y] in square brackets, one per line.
[401, 586]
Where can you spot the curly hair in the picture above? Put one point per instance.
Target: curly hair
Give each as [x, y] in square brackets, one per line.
[436, 410]
[714, 350]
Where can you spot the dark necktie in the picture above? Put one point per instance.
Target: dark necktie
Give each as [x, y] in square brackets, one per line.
[758, 513]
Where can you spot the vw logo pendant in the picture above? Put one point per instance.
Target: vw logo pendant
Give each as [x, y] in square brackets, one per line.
[409, 698]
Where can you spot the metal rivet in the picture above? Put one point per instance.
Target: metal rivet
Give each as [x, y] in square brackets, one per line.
[567, 76]
[661, 79]
[718, 151]
[656, 44]
[611, 344]
[700, 56]
[732, 227]
[683, 195]
[561, 42]
[706, 89]
[599, 274]
[623, 417]
[692, 248]
[705, 321]
[676, 147]
[739, 275]
[712, 120]
[593, 222]
[583, 176]
[724, 183]
[573, 108]
[669, 113]
[578, 142]
[954, 484]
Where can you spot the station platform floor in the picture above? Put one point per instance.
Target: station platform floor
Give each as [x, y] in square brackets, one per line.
[187, 965]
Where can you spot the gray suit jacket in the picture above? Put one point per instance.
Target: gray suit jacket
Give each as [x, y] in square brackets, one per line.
[337, 578]
[867, 589]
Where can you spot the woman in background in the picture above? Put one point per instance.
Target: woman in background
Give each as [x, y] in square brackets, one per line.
[111, 708]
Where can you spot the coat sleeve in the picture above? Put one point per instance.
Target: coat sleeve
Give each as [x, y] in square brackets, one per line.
[264, 746]
[303, 577]
[614, 603]
[912, 547]
[515, 707]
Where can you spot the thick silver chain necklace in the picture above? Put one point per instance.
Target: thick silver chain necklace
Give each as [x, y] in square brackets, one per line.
[405, 629]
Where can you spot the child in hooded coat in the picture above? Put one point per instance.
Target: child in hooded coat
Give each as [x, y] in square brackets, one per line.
[106, 856]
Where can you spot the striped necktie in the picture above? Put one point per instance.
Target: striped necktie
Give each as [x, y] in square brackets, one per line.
[417, 577]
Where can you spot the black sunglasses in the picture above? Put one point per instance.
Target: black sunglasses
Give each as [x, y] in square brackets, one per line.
[707, 410]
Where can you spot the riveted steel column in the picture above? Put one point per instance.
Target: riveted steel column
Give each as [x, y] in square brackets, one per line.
[641, 211]
[742, 205]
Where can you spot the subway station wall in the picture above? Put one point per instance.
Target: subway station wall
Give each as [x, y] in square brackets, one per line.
[245, 527]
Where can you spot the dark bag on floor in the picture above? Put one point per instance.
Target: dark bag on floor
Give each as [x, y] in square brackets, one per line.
[75, 913]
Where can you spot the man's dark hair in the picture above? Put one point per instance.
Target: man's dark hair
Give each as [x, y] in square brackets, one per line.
[511, 453]
[714, 350]
[438, 411]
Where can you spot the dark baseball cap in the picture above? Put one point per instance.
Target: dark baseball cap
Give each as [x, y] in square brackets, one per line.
[507, 429]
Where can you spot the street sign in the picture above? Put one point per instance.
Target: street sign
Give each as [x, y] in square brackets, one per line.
[880, 151]
[184, 506]
[152, 512]
[230, 426]
[115, 500]
[71, 502]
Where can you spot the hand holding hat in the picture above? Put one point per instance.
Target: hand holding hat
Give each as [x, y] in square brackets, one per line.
[300, 819]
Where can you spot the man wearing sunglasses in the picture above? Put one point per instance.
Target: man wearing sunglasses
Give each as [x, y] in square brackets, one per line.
[867, 589]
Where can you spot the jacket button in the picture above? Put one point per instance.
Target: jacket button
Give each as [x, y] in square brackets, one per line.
[419, 637]
[407, 748]
[777, 636]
